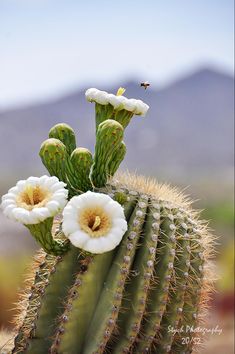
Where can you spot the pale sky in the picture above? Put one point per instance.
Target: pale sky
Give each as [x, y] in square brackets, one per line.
[51, 47]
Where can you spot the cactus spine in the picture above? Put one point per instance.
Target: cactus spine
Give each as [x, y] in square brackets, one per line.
[125, 300]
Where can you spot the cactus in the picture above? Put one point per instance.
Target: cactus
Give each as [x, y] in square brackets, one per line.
[108, 142]
[135, 298]
[124, 300]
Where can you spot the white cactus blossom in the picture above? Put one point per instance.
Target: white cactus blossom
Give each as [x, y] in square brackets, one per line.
[119, 102]
[35, 199]
[94, 222]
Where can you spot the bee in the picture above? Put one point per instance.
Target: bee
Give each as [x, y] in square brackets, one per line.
[145, 84]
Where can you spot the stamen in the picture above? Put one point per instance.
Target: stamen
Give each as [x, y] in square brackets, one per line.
[120, 91]
[95, 221]
[29, 191]
[96, 224]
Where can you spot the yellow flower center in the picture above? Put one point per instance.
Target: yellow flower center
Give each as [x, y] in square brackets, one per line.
[33, 197]
[95, 221]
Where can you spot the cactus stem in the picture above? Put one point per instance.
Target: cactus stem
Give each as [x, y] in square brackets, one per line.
[138, 288]
[48, 295]
[80, 305]
[123, 301]
[42, 233]
[112, 293]
[108, 139]
[80, 165]
[102, 113]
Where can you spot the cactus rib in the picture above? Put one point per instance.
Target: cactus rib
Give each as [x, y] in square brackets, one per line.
[158, 296]
[174, 307]
[191, 299]
[116, 159]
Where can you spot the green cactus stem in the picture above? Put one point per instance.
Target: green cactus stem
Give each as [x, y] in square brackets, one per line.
[54, 157]
[83, 298]
[65, 134]
[100, 329]
[42, 233]
[53, 277]
[123, 117]
[81, 161]
[108, 140]
[122, 301]
[102, 113]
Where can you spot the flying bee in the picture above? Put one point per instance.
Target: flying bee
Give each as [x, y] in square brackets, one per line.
[145, 84]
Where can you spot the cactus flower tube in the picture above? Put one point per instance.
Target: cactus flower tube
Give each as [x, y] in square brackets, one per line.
[126, 260]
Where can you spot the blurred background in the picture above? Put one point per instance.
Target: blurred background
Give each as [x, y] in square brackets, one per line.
[53, 50]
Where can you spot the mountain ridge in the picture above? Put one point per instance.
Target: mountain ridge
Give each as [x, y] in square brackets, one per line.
[187, 132]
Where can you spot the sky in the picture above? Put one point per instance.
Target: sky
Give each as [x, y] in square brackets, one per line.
[51, 47]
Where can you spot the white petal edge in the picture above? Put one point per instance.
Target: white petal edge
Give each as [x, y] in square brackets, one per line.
[118, 102]
[56, 201]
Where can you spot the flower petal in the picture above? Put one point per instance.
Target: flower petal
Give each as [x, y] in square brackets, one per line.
[92, 240]
[118, 102]
[79, 239]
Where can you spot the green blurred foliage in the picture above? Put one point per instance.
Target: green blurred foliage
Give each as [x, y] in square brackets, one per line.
[226, 268]
[12, 272]
[220, 213]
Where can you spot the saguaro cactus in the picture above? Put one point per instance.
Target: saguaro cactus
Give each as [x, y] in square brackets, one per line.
[138, 297]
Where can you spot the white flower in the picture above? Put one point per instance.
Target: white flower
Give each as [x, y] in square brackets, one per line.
[35, 199]
[137, 107]
[94, 222]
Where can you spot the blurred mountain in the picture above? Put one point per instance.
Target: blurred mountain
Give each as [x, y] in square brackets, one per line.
[187, 133]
